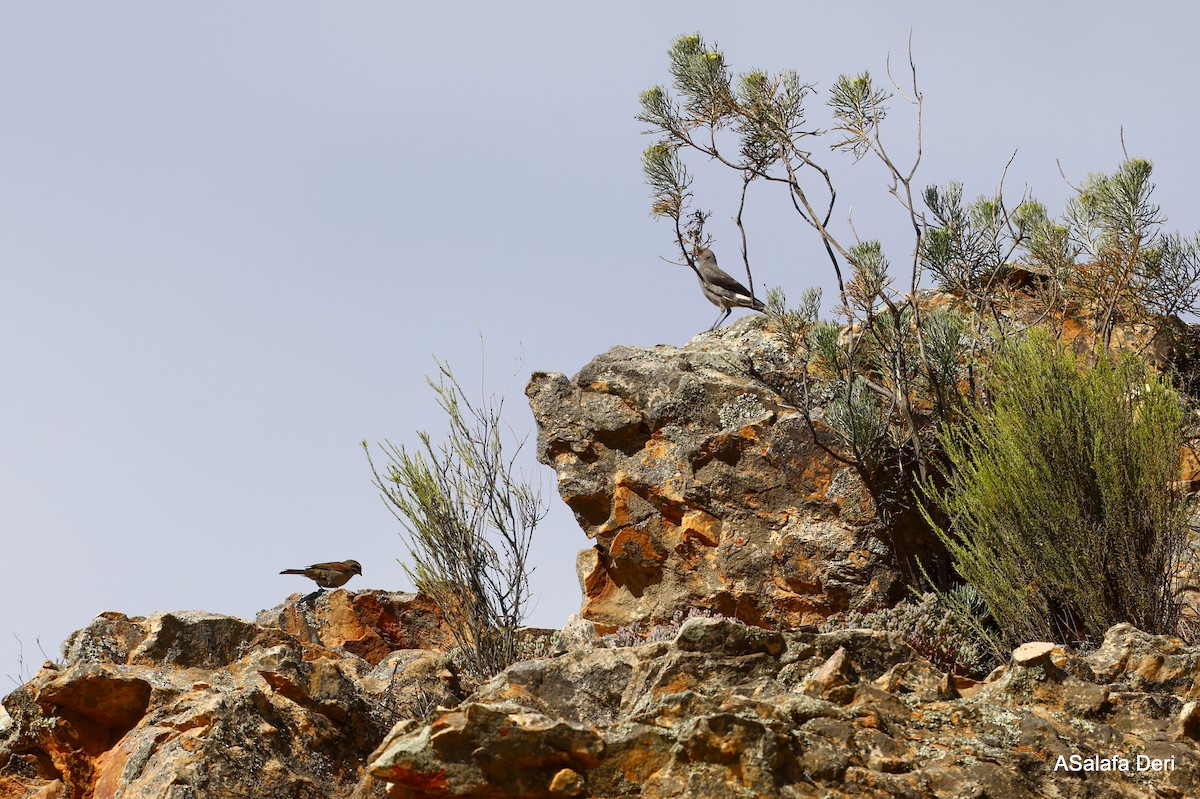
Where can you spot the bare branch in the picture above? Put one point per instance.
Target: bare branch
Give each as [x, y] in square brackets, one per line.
[746, 178]
[1058, 162]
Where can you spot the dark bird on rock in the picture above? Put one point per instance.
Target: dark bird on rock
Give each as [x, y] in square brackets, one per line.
[721, 288]
[329, 575]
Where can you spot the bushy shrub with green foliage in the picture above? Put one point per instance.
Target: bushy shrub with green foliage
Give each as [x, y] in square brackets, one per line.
[1058, 494]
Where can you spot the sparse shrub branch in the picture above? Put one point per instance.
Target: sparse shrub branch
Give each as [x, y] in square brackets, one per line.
[470, 518]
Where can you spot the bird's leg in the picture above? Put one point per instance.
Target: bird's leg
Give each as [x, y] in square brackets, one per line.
[721, 318]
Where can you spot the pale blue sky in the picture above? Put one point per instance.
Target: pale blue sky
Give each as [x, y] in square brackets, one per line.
[233, 236]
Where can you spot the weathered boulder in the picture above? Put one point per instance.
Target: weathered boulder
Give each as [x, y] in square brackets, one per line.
[727, 710]
[703, 486]
[193, 704]
[368, 623]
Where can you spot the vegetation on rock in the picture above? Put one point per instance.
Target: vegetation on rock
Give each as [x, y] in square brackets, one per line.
[949, 629]
[1058, 492]
[895, 370]
[470, 517]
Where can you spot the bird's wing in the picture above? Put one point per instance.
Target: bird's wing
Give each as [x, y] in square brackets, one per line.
[718, 277]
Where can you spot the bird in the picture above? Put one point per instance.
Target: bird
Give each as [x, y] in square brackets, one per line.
[720, 287]
[329, 575]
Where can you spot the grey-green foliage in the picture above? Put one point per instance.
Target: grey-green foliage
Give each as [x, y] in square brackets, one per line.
[1059, 498]
[869, 283]
[858, 107]
[859, 416]
[1133, 270]
[701, 75]
[793, 324]
[470, 518]
[705, 108]
[890, 389]
[951, 629]
[774, 112]
[1107, 255]
[965, 247]
[647, 633]
[944, 344]
[669, 180]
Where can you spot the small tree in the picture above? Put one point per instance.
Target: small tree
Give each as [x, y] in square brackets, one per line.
[470, 519]
[1134, 272]
[883, 362]
[1059, 498]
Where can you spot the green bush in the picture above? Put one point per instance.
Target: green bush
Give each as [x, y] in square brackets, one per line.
[1058, 498]
[470, 517]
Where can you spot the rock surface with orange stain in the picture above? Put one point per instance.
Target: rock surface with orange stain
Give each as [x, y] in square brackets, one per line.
[727, 710]
[703, 486]
[193, 704]
[370, 624]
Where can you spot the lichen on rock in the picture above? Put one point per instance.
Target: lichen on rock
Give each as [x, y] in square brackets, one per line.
[702, 485]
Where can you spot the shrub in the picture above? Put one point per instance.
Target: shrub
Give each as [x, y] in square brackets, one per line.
[470, 519]
[896, 371]
[1058, 496]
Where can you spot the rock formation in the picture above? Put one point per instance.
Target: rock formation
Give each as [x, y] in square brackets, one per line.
[726, 710]
[197, 705]
[702, 486]
[194, 704]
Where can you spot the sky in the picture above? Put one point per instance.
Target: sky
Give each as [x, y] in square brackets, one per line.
[234, 237]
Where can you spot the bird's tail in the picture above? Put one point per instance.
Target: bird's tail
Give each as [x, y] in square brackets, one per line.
[758, 305]
[292, 571]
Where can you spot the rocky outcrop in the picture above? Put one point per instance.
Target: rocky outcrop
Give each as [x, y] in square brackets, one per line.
[370, 624]
[193, 704]
[726, 710]
[702, 486]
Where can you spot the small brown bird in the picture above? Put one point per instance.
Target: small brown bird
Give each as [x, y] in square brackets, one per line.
[329, 575]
